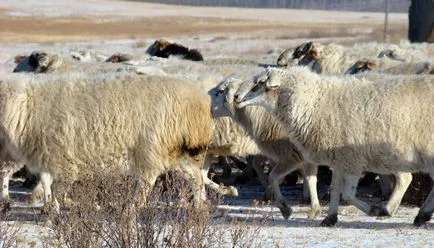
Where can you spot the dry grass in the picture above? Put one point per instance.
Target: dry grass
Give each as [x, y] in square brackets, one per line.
[108, 215]
[52, 29]
[8, 232]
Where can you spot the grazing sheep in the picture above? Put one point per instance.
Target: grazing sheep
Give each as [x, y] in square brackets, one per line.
[62, 125]
[273, 142]
[354, 125]
[165, 48]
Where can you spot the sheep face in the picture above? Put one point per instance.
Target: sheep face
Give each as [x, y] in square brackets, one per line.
[286, 58]
[37, 62]
[391, 54]
[157, 46]
[222, 97]
[261, 92]
[362, 66]
[426, 68]
[306, 53]
[118, 58]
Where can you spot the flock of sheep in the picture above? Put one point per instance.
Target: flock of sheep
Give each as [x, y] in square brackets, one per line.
[171, 109]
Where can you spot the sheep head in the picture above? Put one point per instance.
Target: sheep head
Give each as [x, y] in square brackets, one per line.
[119, 57]
[362, 66]
[39, 62]
[286, 58]
[262, 91]
[427, 68]
[222, 97]
[158, 45]
[391, 54]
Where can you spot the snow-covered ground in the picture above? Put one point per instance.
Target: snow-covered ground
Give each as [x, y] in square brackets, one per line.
[354, 229]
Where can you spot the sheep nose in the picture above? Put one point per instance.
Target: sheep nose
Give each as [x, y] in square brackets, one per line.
[236, 97]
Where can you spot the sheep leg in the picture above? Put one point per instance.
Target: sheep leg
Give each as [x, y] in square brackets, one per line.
[193, 174]
[403, 180]
[309, 172]
[219, 189]
[257, 166]
[427, 209]
[349, 193]
[5, 174]
[49, 203]
[279, 172]
[385, 185]
[335, 192]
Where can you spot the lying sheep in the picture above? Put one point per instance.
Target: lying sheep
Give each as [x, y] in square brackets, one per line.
[354, 125]
[88, 56]
[273, 142]
[158, 123]
[51, 62]
[384, 66]
[164, 48]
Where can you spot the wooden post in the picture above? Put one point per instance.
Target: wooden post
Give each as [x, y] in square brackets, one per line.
[386, 20]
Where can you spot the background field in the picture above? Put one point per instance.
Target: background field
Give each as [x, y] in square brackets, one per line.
[130, 27]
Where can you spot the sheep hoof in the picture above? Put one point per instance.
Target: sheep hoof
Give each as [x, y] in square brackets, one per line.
[422, 218]
[379, 211]
[233, 191]
[286, 211]
[313, 213]
[330, 220]
[267, 195]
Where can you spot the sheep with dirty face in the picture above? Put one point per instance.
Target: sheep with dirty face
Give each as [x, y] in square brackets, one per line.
[62, 125]
[354, 125]
[272, 141]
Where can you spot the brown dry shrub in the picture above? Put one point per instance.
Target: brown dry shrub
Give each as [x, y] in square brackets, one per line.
[103, 212]
[8, 232]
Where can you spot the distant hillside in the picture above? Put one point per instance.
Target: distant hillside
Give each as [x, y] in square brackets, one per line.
[352, 5]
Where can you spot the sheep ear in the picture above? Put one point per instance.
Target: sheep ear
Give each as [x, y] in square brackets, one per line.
[315, 53]
[19, 58]
[163, 44]
[370, 65]
[115, 58]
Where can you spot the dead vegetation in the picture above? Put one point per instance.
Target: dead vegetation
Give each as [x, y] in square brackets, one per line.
[103, 212]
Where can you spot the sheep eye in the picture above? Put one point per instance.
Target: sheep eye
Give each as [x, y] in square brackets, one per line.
[256, 87]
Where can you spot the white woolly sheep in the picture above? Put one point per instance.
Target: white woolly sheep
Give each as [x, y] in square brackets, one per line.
[387, 67]
[273, 142]
[157, 122]
[88, 56]
[354, 125]
[51, 62]
[333, 58]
